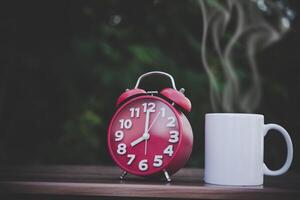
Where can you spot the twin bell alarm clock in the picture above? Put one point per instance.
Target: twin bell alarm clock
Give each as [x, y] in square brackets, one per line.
[149, 135]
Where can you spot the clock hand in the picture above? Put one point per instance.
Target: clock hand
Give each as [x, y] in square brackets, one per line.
[152, 123]
[139, 140]
[145, 135]
[147, 121]
[146, 144]
[154, 120]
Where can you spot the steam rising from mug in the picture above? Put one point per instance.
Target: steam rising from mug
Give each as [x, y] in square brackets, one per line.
[236, 30]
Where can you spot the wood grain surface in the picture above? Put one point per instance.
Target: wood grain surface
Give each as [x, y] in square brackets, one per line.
[93, 181]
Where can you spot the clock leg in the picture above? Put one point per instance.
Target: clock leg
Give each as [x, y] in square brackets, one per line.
[123, 175]
[167, 176]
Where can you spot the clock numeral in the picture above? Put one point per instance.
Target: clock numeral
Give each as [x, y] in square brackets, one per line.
[174, 136]
[163, 111]
[143, 165]
[131, 158]
[150, 107]
[135, 112]
[125, 123]
[171, 122]
[119, 135]
[169, 150]
[121, 149]
[158, 161]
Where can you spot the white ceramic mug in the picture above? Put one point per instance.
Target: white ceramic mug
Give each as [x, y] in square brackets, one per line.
[234, 149]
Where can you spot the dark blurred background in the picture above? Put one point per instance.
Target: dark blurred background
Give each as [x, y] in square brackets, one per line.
[64, 63]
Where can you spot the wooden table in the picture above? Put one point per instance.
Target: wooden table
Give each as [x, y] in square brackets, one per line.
[95, 181]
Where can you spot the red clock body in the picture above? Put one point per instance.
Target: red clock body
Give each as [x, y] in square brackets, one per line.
[148, 136]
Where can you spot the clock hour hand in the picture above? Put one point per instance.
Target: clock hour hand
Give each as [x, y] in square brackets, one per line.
[145, 136]
[135, 142]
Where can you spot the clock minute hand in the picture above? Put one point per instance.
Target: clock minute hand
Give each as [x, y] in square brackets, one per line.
[147, 121]
[145, 135]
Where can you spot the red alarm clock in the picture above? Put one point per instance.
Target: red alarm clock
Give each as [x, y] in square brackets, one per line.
[149, 135]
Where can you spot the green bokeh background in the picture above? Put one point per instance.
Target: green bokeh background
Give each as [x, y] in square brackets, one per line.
[64, 64]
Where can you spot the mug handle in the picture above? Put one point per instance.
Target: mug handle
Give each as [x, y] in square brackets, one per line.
[289, 144]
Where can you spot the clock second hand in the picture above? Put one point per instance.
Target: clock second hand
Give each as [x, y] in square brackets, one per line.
[152, 123]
